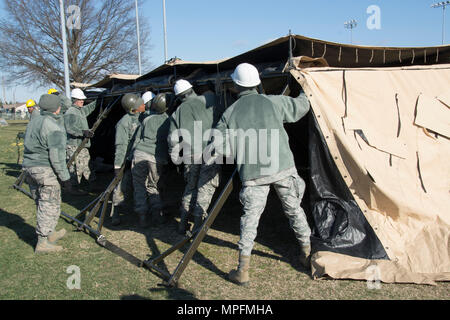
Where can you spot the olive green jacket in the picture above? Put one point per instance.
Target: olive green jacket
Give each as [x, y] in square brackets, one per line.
[75, 121]
[126, 131]
[260, 117]
[45, 144]
[195, 116]
[153, 137]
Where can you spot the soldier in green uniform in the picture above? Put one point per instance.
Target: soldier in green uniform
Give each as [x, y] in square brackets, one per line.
[77, 128]
[264, 115]
[126, 131]
[45, 166]
[189, 123]
[150, 160]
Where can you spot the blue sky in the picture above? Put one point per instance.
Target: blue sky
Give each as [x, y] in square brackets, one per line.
[203, 30]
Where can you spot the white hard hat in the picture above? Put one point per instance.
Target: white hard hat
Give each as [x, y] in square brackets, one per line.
[78, 94]
[246, 75]
[147, 96]
[181, 86]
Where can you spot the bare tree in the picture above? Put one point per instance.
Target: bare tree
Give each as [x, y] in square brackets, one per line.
[101, 42]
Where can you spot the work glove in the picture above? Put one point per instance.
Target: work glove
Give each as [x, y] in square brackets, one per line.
[88, 133]
[21, 135]
[66, 185]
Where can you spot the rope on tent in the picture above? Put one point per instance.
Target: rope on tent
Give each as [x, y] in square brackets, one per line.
[312, 48]
[384, 56]
[340, 54]
[357, 57]
[437, 55]
[425, 56]
[400, 56]
[371, 58]
[413, 56]
[324, 50]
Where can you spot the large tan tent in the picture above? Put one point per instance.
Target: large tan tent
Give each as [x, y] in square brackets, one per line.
[376, 144]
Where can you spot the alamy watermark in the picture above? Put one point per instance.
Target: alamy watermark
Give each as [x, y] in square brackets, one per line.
[237, 146]
[374, 20]
[74, 17]
[74, 281]
[373, 276]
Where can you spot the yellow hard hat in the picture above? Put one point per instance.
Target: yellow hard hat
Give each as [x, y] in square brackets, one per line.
[30, 103]
[51, 91]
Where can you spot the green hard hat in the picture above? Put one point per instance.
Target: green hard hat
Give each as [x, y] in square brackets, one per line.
[131, 101]
[159, 103]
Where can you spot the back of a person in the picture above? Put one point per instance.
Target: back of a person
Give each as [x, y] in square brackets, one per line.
[259, 141]
[35, 149]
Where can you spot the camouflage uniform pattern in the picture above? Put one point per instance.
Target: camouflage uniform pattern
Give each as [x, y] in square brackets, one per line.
[208, 181]
[147, 178]
[253, 198]
[191, 174]
[82, 166]
[46, 192]
[124, 189]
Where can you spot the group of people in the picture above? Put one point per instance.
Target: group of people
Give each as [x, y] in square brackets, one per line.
[148, 138]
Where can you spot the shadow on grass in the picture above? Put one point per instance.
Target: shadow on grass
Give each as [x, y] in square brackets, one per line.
[16, 223]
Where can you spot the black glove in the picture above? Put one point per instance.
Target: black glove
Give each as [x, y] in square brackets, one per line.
[66, 185]
[116, 172]
[88, 133]
[21, 135]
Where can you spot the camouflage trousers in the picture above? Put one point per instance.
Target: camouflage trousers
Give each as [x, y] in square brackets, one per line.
[124, 189]
[253, 198]
[148, 183]
[46, 192]
[201, 183]
[81, 167]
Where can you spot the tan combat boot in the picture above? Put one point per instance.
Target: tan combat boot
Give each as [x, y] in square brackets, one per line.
[44, 246]
[305, 256]
[240, 276]
[56, 235]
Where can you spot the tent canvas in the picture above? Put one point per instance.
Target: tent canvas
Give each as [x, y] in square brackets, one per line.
[377, 149]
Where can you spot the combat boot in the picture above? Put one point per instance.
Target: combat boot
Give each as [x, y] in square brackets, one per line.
[44, 246]
[240, 276]
[305, 256]
[184, 225]
[56, 235]
[142, 220]
[158, 217]
[198, 222]
[115, 217]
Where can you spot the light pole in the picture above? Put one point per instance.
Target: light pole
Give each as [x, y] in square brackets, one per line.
[138, 38]
[351, 25]
[442, 5]
[165, 32]
[66, 60]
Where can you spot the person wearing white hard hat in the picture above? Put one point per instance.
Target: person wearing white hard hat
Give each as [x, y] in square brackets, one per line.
[148, 97]
[196, 114]
[265, 114]
[77, 128]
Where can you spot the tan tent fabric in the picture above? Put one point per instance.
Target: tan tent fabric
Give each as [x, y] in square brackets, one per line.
[398, 172]
[433, 114]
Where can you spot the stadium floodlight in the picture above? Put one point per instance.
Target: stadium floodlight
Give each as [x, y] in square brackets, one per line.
[442, 5]
[351, 25]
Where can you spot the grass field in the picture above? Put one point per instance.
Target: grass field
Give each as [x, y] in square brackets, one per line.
[274, 273]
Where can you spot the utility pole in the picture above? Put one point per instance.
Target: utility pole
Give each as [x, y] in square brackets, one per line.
[351, 25]
[165, 32]
[64, 40]
[138, 37]
[442, 5]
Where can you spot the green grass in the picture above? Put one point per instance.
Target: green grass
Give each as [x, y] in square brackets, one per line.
[104, 275]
